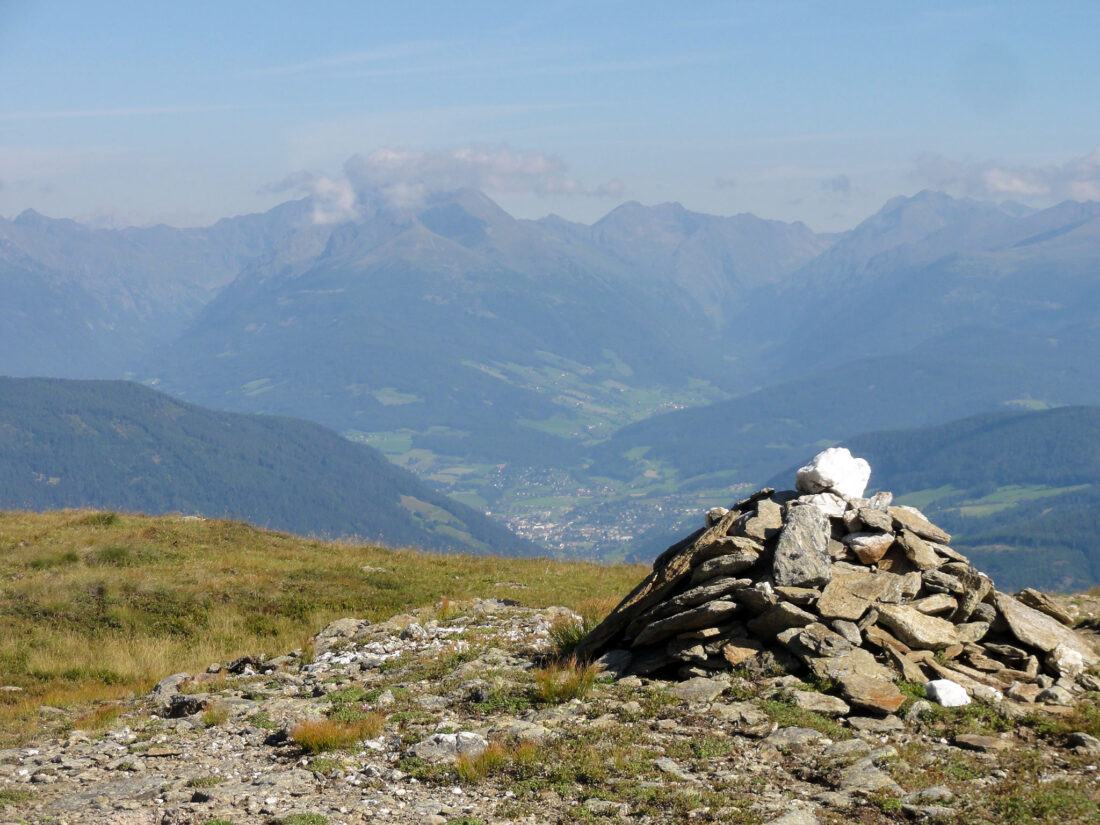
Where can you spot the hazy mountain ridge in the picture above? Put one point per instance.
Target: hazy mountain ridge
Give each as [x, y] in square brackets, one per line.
[121, 446]
[116, 293]
[462, 340]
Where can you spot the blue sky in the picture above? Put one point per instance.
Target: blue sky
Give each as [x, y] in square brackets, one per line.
[187, 112]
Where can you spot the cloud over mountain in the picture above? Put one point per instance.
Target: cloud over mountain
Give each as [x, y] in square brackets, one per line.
[404, 178]
[1076, 179]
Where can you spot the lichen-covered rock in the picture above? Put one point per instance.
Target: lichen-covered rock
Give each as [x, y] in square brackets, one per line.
[802, 551]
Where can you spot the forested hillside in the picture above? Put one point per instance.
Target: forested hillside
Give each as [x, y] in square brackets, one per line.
[121, 446]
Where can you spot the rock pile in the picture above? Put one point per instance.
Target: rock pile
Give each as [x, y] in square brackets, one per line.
[858, 591]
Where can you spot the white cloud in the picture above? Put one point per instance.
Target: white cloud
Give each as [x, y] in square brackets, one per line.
[1076, 179]
[404, 178]
[334, 199]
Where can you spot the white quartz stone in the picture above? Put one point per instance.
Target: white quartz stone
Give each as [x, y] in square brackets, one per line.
[947, 693]
[834, 470]
[828, 503]
[1066, 662]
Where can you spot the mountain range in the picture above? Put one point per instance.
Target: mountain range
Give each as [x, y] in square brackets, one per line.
[655, 353]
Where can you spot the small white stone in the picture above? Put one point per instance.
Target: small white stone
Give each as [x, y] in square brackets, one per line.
[947, 693]
[1066, 662]
[836, 470]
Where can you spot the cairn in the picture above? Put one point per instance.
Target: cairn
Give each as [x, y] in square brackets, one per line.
[858, 591]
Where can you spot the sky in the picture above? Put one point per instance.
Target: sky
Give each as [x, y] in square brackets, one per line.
[134, 113]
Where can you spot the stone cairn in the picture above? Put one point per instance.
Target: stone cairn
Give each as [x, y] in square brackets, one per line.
[858, 591]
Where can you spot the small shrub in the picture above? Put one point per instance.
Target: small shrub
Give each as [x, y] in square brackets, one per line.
[215, 715]
[318, 735]
[98, 718]
[566, 634]
[9, 796]
[561, 681]
[1084, 717]
[501, 699]
[322, 765]
[424, 771]
[976, 717]
[448, 609]
[100, 520]
[54, 560]
[473, 769]
[205, 781]
[216, 822]
[120, 555]
[261, 719]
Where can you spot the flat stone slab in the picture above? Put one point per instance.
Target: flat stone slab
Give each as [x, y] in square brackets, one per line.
[441, 747]
[728, 564]
[871, 693]
[1044, 604]
[821, 703]
[705, 615]
[865, 777]
[977, 742]
[850, 595]
[782, 616]
[707, 592]
[795, 739]
[699, 689]
[916, 629]
[914, 520]
[1037, 629]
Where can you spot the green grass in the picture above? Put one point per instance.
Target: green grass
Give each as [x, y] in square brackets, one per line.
[304, 819]
[9, 796]
[785, 713]
[205, 781]
[149, 596]
[922, 499]
[1010, 496]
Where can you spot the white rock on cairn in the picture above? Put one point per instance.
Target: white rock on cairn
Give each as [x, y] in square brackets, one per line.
[835, 470]
[947, 693]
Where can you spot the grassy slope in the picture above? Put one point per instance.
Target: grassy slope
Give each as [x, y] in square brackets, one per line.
[95, 606]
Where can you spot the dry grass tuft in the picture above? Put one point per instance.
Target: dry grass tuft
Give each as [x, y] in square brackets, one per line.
[319, 735]
[215, 715]
[491, 761]
[564, 680]
[97, 718]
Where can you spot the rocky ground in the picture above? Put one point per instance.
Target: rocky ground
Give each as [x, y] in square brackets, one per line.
[457, 714]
